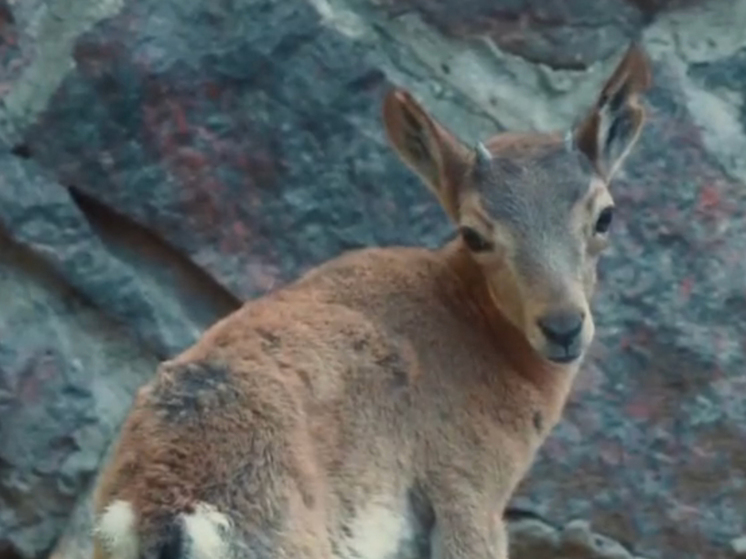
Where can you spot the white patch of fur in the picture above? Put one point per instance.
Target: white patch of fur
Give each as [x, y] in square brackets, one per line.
[117, 532]
[207, 532]
[378, 532]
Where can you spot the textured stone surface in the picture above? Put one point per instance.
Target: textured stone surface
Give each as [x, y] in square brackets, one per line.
[162, 160]
[66, 378]
[560, 33]
[533, 538]
[571, 34]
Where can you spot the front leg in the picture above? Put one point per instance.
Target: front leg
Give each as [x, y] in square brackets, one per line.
[464, 532]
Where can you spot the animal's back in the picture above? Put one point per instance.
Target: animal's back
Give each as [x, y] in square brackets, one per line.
[296, 399]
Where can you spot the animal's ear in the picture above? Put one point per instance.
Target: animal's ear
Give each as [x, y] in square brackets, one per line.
[612, 127]
[427, 147]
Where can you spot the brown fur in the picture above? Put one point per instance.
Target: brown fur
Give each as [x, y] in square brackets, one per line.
[523, 144]
[386, 404]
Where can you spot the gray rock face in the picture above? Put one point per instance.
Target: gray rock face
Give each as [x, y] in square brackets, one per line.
[568, 34]
[163, 160]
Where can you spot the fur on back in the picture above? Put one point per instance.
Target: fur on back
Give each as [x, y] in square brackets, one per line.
[327, 394]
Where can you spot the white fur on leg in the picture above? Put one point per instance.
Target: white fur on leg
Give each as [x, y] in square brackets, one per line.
[117, 532]
[207, 532]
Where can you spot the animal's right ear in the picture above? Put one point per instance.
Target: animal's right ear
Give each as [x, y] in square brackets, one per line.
[614, 123]
[427, 148]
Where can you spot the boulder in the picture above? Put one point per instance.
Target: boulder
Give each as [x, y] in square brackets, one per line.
[163, 160]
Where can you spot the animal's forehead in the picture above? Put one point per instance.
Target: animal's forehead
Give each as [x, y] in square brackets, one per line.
[542, 185]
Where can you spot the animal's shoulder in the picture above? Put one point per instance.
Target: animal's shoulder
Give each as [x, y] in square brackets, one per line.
[366, 308]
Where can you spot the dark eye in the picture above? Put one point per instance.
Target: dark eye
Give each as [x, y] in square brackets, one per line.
[604, 220]
[474, 240]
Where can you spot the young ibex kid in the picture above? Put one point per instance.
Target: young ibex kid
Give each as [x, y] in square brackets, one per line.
[387, 403]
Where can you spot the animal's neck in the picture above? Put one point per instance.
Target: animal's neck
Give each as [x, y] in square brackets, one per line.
[553, 381]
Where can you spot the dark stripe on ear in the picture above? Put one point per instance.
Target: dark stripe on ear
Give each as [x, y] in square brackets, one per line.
[619, 97]
[614, 131]
[619, 135]
[417, 148]
[412, 122]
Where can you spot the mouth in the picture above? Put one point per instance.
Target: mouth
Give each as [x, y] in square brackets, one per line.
[565, 358]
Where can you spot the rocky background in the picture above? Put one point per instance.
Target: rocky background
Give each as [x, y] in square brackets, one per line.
[162, 160]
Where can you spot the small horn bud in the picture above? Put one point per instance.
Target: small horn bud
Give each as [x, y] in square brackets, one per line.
[569, 140]
[483, 154]
[483, 158]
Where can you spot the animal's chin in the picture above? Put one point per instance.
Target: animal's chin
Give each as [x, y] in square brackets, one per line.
[556, 354]
[562, 356]
[563, 359]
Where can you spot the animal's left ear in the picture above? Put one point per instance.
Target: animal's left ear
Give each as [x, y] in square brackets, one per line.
[612, 127]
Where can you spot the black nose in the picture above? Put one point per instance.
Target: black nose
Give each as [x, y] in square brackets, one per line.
[562, 327]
